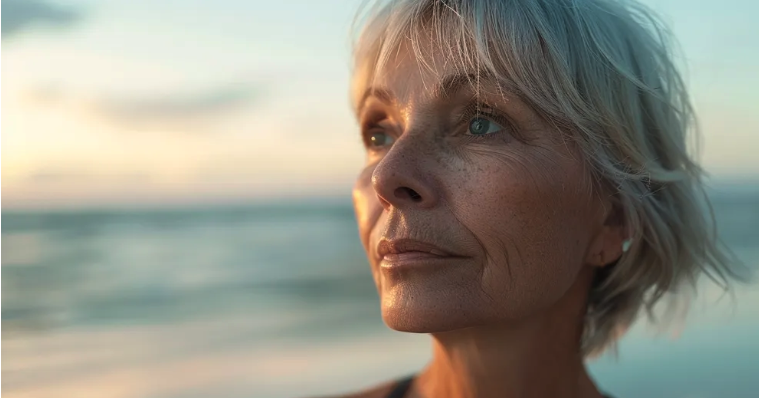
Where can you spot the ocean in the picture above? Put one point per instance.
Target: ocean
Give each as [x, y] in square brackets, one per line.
[276, 300]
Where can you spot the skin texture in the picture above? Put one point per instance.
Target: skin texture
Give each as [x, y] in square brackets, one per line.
[514, 206]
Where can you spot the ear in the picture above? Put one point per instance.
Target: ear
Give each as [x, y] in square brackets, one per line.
[611, 240]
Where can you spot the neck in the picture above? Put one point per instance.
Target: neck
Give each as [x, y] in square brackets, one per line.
[536, 358]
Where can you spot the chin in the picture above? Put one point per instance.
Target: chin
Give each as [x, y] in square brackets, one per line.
[415, 309]
[423, 320]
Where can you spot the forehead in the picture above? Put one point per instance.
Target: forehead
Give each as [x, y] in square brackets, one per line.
[421, 75]
[416, 74]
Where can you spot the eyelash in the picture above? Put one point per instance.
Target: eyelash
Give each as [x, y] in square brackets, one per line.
[372, 121]
[481, 109]
[368, 130]
[475, 109]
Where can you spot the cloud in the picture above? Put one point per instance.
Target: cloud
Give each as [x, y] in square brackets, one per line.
[82, 176]
[176, 109]
[44, 95]
[18, 15]
[195, 110]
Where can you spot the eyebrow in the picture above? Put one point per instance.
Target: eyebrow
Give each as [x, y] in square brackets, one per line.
[383, 95]
[450, 85]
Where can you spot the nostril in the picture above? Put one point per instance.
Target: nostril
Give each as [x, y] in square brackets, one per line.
[405, 192]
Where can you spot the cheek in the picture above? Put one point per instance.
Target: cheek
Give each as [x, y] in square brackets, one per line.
[368, 210]
[366, 206]
[530, 216]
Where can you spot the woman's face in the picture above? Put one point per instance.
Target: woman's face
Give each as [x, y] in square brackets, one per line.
[471, 208]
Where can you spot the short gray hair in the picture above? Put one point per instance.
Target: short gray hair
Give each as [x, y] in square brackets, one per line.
[602, 72]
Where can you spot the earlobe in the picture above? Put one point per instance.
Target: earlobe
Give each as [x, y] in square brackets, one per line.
[611, 241]
[607, 249]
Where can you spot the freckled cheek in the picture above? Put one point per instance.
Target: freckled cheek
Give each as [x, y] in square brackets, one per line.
[539, 215]
[508, 202]
[487, 188]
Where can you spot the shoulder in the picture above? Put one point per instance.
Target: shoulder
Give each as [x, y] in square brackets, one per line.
[380, 391]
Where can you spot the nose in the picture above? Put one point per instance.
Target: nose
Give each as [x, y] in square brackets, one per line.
[404, 178]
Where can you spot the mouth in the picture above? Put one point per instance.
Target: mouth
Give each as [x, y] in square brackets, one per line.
[402, 253]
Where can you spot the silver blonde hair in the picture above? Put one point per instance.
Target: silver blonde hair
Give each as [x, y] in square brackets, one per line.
[603, 73]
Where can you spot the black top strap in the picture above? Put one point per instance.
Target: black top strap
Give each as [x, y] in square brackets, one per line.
[401, 388]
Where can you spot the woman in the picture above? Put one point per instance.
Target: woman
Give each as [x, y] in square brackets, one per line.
[527, 190]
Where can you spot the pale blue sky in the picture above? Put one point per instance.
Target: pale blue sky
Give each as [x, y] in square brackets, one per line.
[147, 100]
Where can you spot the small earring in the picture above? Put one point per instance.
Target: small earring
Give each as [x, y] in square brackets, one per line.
[626, 245]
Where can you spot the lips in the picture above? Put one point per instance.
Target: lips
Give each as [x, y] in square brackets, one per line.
[393, 249]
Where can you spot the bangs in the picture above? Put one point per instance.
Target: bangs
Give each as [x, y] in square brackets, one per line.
[507, 41]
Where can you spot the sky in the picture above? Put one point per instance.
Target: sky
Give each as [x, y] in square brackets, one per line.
[183, 101]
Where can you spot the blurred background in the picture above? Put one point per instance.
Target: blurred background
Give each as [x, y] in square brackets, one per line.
[176, 216]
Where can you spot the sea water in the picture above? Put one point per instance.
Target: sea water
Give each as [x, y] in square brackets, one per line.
[276, 300]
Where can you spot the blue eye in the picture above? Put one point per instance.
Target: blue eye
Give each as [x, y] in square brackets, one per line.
[482, 126]
[379, 139]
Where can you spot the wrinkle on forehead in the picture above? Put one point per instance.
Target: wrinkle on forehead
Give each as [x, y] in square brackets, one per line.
[424, 74]
[442, 70]
[403, 87]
